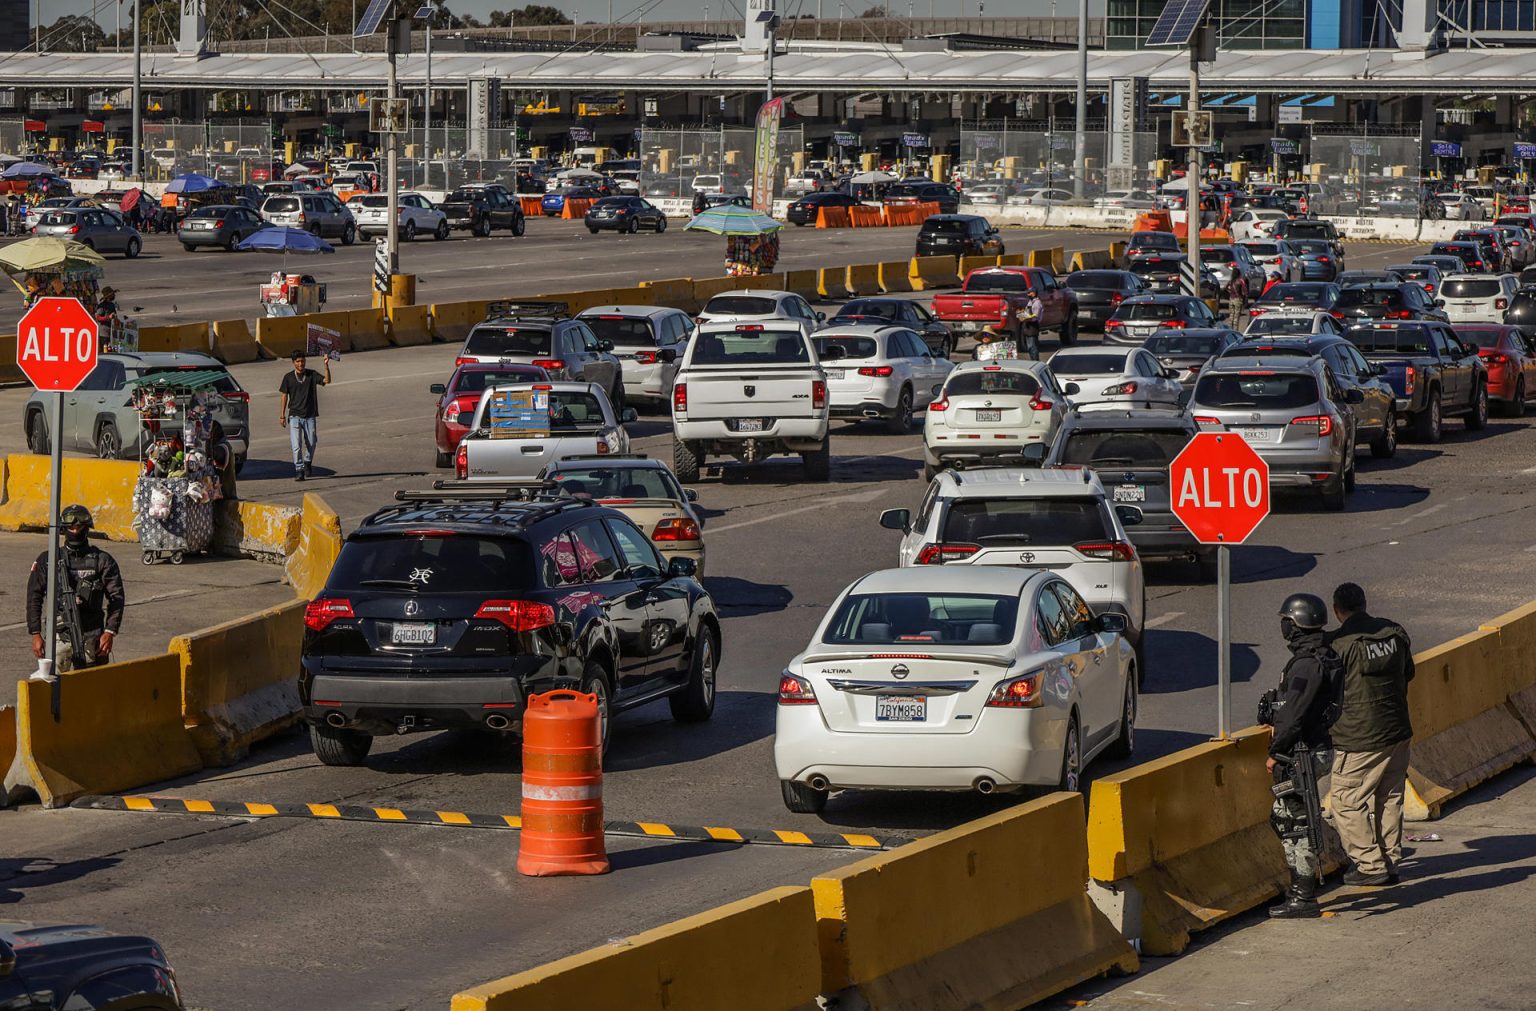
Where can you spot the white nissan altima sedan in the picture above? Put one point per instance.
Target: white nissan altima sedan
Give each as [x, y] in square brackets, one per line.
[954, 678]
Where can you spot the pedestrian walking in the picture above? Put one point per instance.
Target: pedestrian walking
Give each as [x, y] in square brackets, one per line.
[298, 410]
[1370, 763]
[90, 594]
[1299, 713]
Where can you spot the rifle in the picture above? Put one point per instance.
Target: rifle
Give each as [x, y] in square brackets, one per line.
[69, 612]
[1304, 771]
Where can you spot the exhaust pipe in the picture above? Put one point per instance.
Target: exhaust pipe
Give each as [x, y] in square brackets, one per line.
[335, 719]
[496, 721]
[985, 785]
[871, 413]
[818, 782]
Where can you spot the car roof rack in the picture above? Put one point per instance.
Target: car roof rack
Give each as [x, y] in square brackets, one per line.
[604, 456]
[537, 500]
[539, 309]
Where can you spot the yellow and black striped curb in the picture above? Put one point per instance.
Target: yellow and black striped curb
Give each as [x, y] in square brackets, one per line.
[503, 822]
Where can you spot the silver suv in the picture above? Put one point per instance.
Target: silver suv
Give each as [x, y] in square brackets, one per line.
[1291, 411]
[320, 213]
[542, 335]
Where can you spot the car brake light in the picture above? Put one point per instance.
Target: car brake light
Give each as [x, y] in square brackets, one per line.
[550, 364]
[518, 615]
[680, 529]
[645, 357]
[1322, 421]
[1201, 419]
[1036, 404]
[819, 394]
[1496, 358]
[1116, 298]
[1410, 379]
[1256, 312]
[1173, 324]
[1429, 289]
[749, 328]
[880, 371]
[240, 395]
[795, 691]
[74, 229]
[1120, 390]
[461, 360]
[1400, 314]
[1323, 259]
[939, 406]
[1016, 693]
[680, 399]
[1336, 315]
[1113, 324]
[320, 612]
[938, 554]
[461, 462]
[1501, 303]
[1111, 550]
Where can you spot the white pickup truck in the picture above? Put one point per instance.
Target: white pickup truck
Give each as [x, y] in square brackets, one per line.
[749, 391]
[521, 428]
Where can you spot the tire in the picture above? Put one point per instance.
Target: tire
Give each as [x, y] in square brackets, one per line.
[685, 461]
[37, 434]
[408, 233]
[591, 229]
[696, 702]
[1477, 420]
[109, 445]
[1069, 332]
[519, 225]
[1384, 446]
[1349, 475]
[1071, 779]
[314, 229]
[337, 746]
[444, 461]
[617, 399]
[131, 251]
[482, 228]
[1516, 407]
[661, 224]
[349, 235]
[1427, 424]
[596, 681]
[801, 799]
[632, 227]
[818, 462]
[1125, 744]
[930, 472]
[900, 421]
[1335, 497]
[189, 247]
[442, 231]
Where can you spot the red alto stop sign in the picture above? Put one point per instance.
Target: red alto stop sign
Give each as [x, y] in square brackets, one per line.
[1219, 488]
[56, 344]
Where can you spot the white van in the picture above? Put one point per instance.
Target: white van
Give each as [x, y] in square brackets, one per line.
[590, 156]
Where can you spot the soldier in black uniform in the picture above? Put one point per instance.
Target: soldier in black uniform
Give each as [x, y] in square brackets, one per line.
[1299, 714]
[98, 590]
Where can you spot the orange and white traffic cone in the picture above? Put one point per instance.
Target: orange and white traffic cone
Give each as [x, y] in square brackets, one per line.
[562, 786]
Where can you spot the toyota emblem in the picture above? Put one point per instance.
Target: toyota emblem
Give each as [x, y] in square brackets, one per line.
[1026, 557]
[412, 609]
[900, 671]
[750, 391]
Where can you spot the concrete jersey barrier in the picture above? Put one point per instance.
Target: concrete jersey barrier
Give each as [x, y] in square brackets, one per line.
[319, 543]
[105, 487]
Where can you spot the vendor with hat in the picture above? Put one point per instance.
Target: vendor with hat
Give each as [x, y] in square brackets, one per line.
[106, 315]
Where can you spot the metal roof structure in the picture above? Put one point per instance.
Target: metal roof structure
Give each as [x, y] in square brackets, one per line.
[1354, 72]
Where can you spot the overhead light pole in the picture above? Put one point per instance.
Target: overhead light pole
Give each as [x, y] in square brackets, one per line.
[137, 160]
[1080, 162]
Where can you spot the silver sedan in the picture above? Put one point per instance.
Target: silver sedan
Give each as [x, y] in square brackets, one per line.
[103, 230]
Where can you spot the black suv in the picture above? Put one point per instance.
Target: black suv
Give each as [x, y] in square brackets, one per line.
[450, 608]
[76, 966]
[958, 235]
[1386, 301]
[924, 191]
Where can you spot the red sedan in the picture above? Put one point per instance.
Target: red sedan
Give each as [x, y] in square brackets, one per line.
[1511, 363]
[458, 398]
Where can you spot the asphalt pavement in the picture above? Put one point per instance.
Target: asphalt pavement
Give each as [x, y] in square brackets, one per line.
[304, 913]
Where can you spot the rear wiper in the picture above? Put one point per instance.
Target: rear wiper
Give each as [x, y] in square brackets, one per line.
[1124, 461]
[1016, 538]
[402, 584]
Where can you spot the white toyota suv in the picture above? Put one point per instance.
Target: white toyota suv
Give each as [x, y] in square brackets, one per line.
[417, 216]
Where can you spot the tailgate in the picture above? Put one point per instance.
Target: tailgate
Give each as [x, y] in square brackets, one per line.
[963, 306]
[732, 393]
[1397, 372]
[499, 459]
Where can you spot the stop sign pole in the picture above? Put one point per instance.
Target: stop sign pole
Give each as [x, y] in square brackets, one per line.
[56, 349]
[1219, 488]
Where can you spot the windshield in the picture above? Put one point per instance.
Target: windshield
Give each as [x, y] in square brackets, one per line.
[1474, 288]
[507, 340]
[751, 347]
[1096, 280]
[615, 482]
[478, 380]
[1035, 521]
[741, 305]
[1147, 310]
[623, 331]
[1170, 344]
[1110, 364]
[1154, 240]
[891, 619]
[1296, 293]
[456, 563]
[996, 280]
[1408, 340]
[1258, 390]
[1123, 447]
[1002, 382]
[853, 347]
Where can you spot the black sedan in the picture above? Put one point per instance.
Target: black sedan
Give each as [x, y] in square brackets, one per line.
[83, 967]
[222, 225]
[1099, 292]
[625, 214]
[803, 211]
[1469, 253]
[1161, 274]
[897, 312]
[1387, 301]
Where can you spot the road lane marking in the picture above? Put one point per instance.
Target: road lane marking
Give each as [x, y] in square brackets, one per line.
[1427, 511]
[1164, 619]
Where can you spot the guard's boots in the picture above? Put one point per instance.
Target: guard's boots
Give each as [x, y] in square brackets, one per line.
[1300, 900]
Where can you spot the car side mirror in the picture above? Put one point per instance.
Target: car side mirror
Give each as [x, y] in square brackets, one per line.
[1071, 389]
[666, 356]
[605, 345]
[629, 416]
[1170, 373]
[1110, 621]
[821, 317]
[438, 388]
[1354, 397]
[1130, 515]
[1034, 454]
[1379, 370]
[690, 495]
[897, 519]
[1439, 303]
[679, 568]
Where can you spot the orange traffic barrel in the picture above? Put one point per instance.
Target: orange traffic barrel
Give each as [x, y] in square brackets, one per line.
[562, 786]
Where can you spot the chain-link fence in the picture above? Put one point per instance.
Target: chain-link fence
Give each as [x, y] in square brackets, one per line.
[1367, 175]
[449, 156]
[1041, 154]
[676, 162]
[13, 138]
[233, 152]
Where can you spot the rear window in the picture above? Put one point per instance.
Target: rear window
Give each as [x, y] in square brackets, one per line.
[1368, 296]
[477, 380]
[615, 482]
[1478, 288]
[1123, 447]
[371, 200]
[853, 347]
[282, 205]
[1036, 521]
[741, 305]
[1148, 310]
[1412, 273]
[208, 212]
[505, 417]
[1088, 365]
[1408, 340]
[507, 340]
[1280, 325]
[1096, 280]
[1156, 268]
[890, 619]
[456, 563]
[1215, 254]
[1260, 391]
[1307, 230]
[751, 347]
[1184, 344]
[623, 331]
[57, 218]
[997, 280]
[865, 307]
[1154, 240]
[463, 196]
[1298, 294]
[1480, 337]
[1263, 248]
[947, 226]
[1002, 382]
[1310, 245]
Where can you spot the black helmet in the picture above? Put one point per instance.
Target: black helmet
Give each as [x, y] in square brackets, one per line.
[1306, 610]
[76, 516]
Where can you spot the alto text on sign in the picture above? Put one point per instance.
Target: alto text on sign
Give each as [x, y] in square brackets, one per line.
[1220, 488]
[56, 344]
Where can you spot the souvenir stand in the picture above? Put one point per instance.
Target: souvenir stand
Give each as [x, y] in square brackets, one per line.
[173, 499]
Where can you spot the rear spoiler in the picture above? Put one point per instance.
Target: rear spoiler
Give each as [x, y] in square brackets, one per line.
[985, 659]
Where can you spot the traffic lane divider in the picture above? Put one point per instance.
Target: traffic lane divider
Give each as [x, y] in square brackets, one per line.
[308, 567]
[894, 275]
[409, 326]
[863, 279]
[233, 342]
[367, 329]
[656, 831]
[281, 336]
[105, 487]
[175, 337]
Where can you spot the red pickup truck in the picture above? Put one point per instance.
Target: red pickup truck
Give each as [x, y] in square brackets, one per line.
[993, 295]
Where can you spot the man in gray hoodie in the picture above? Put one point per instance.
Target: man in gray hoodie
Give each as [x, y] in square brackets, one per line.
[1370, 738]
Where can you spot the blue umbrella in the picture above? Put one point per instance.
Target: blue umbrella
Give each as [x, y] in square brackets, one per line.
[192, 182]
[26, 170]
[282, 239]
[729, 219]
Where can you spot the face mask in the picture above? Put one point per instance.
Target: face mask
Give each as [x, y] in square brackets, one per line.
[76, 539]
[1288, 629]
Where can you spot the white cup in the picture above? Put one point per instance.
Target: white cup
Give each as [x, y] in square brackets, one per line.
[44, 670]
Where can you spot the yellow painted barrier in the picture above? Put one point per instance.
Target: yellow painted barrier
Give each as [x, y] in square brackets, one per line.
[1117, 253]
[1039, 258]
[757, 954]
[367, 329]
[239, 681]
[676, 292]
[1058, 259]
[319, 543]
[833, 282]
[233, 343]
[409, 326]
[10, 372]
[990, 914]
[863, 279]
[258, 529]
[452, 321]
[1011, 260]
[105, 487]
[894, 275]
[970, 263]
[7, 742]
[766, 282]
[1189, 836]
[928, 272]
[281, 336]
[1091, 259]
[175, 337]
[707, 288]
[119, 728]
[805, 283]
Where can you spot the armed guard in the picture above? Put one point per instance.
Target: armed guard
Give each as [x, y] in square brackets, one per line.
[91, 597]
[1300, 711]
